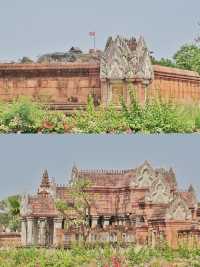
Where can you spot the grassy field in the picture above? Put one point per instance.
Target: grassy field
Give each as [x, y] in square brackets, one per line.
[100, 257]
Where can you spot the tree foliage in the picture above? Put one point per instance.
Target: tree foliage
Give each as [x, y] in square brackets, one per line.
[167, 62]
[188, 57]
[77, 210]
[26, 60]
[11, 216]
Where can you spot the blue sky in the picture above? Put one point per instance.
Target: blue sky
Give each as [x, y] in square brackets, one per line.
[31, 28]
[24, 157]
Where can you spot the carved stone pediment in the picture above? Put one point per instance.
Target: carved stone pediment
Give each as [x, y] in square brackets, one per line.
[25, 208]
[159, 191]
[144, 69]
[144, 177]
[126, 59]
[178, 210]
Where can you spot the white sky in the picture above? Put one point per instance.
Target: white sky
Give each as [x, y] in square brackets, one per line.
[31, 28]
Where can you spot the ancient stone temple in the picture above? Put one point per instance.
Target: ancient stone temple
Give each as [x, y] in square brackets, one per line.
[140, 206]
[65, 80]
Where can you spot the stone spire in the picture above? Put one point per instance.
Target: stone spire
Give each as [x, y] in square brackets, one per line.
[45, 179]
[172, 175]
[191, 189]
[74, 173]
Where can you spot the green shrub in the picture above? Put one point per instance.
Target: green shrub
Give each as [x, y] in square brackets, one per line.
[21, 115]
[156, 116]
[165, 117]
[100, 120]
[98, 256]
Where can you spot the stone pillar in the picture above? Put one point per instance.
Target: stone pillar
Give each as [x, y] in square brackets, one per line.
[106, 222]
[94, 221]
[42, 231]
[24, 232]
[57, 226]
[30, 239]
[106, 92]
[35, 232]
[120, 222]
[153, 239]
[110, 93]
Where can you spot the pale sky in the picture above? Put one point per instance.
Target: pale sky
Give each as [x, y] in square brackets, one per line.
[24, 157]
[31, 28]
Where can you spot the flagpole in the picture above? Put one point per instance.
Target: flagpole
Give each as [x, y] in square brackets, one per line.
[93, 39]
[94, 42]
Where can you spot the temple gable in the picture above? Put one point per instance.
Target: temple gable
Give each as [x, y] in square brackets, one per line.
[126, 59]
[178, 209]
[159, 191]
[144, 177]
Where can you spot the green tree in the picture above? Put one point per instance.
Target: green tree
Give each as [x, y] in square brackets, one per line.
[77, 210]
[26, 60]
[11, 217]
[167, 62]
[13, 204]
[188, 57]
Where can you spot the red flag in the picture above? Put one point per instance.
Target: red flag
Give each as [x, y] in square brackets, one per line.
[92, 33]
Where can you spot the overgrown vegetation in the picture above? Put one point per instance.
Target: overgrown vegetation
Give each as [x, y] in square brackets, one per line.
[187, 57]
[77, 212]
[107, 256]
[156, 116]
[10, 218]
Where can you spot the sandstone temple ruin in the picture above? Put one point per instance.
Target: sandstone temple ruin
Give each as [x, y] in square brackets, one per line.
[139, 206]
[65, 80]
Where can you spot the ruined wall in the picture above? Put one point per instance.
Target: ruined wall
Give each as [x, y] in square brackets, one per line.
[67, 86]
[175, 84]
[59, 85]
[10, 240]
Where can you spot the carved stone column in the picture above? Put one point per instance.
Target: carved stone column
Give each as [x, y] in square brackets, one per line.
[30, 239]
[57, 225]
[42, 231]
[24, 232]
[106, 221]
[110, 93]
[106, 93]
[35, 232]
[94, 221]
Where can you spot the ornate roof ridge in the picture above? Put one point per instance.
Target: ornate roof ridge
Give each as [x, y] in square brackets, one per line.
[61, 185]
[104, 171]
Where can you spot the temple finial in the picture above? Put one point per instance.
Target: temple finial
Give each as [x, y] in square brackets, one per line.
[45, 179]
[172, 175]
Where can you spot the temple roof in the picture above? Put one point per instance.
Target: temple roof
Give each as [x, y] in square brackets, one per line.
[109, 178]
[42, 205]
[122, 178]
